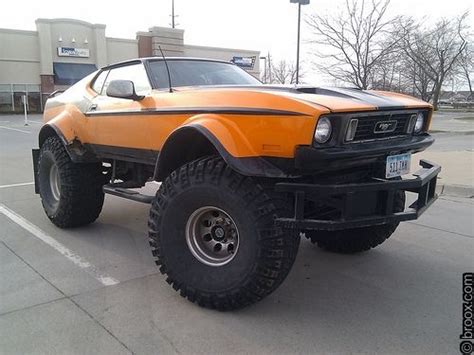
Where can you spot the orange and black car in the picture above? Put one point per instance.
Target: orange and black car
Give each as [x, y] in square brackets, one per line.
[245, 168]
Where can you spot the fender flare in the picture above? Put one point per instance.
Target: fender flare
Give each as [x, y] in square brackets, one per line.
[248, 166]
[76, 151]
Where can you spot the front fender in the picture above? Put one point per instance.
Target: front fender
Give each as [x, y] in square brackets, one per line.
[224, 134]
[225, 137]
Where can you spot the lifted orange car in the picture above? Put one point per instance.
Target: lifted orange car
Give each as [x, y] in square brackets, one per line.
[245, 168]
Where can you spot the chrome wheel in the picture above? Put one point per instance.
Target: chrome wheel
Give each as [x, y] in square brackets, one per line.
[212, 236]
[54, 182]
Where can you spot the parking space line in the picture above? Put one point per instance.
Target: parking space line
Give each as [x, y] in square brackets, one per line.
[16, 185]
[69, 254]
[15, 129]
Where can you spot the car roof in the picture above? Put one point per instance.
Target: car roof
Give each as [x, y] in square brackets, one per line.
[150, 59]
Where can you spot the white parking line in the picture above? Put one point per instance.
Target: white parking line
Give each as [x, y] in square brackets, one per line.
[73, 257]
[15, 129]
[16, 185]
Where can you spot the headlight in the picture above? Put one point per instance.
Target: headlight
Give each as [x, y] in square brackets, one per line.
[420, 121]
[323, 130]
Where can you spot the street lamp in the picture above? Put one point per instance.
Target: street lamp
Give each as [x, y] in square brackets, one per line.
[299, 2]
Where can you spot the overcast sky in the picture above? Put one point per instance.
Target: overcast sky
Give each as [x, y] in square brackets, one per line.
[264, 25]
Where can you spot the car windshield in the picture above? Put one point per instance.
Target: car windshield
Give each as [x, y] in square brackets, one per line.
[198, 73]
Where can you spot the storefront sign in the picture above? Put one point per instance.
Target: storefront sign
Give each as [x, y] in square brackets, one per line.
[244, 62]
[73, 52]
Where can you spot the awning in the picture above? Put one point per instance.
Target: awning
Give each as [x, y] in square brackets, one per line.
[71, 73]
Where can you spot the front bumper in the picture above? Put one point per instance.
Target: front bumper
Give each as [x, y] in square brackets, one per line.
[309, 158]
[361, 204]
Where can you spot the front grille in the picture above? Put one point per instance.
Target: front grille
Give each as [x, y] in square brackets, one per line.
[366, 126]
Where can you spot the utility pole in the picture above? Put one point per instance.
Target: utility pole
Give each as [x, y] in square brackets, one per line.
[299, 2]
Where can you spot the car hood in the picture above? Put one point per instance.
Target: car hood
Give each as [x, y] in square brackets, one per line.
[337, 99]
[342, 99]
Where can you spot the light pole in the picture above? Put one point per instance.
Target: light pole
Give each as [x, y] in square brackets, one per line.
[299, 2]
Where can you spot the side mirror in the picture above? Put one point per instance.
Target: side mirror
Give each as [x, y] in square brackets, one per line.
[123, 89]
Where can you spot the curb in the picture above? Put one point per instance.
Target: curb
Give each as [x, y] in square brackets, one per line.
[451, 132]
[455, 190]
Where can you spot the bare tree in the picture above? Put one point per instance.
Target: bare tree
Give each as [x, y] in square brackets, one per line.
[284, 72]
[466, 66]
[422, 83]
[386, 74]
[353, 43]
[435, 51]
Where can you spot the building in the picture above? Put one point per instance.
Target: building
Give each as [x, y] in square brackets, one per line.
[33, 64]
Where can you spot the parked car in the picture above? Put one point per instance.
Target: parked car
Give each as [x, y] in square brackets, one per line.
[245, 168]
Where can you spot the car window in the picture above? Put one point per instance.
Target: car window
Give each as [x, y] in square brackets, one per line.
[199, 73]
[99, 82]
[135, 73]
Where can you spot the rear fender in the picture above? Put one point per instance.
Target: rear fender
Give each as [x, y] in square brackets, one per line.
[62, 126]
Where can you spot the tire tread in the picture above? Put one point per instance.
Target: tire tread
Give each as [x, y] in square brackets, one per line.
[82, 197]
[277, 251]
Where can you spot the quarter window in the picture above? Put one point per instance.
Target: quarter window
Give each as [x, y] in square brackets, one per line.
[99, 82]
[135, 73]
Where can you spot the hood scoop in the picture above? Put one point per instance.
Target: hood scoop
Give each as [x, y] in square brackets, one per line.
[324, 91]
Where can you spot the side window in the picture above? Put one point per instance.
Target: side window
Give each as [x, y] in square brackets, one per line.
[99, 82]
[135, 73]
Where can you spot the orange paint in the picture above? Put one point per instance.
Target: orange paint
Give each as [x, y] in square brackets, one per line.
[242, 135]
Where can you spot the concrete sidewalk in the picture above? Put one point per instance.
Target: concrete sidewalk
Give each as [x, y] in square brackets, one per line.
[457, 157]
[457, 166]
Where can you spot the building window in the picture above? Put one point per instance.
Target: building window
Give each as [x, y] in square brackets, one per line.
[19, 90]
[34, 103]
[11, 98]
[6, 99]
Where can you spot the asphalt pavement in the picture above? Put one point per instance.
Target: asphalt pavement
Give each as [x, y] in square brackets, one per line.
[96, 289]
[453, 121]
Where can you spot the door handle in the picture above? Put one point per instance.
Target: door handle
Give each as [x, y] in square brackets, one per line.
[93, 107]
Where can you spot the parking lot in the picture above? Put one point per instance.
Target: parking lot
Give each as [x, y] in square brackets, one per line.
[96, 289]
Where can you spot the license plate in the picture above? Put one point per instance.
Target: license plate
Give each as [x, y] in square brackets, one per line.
[397, 165]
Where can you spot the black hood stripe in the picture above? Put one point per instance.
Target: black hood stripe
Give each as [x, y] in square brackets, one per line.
[379, 101]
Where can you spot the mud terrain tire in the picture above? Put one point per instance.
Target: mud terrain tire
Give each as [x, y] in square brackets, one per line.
[263, 256]
[71, 193]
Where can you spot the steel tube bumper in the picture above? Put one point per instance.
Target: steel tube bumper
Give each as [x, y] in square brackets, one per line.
[343, 197]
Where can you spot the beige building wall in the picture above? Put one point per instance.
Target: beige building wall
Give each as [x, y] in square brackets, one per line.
[119, 49]
[56, 33]
[19, 57]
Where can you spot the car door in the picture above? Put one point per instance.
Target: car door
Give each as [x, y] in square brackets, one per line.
[117, 127]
